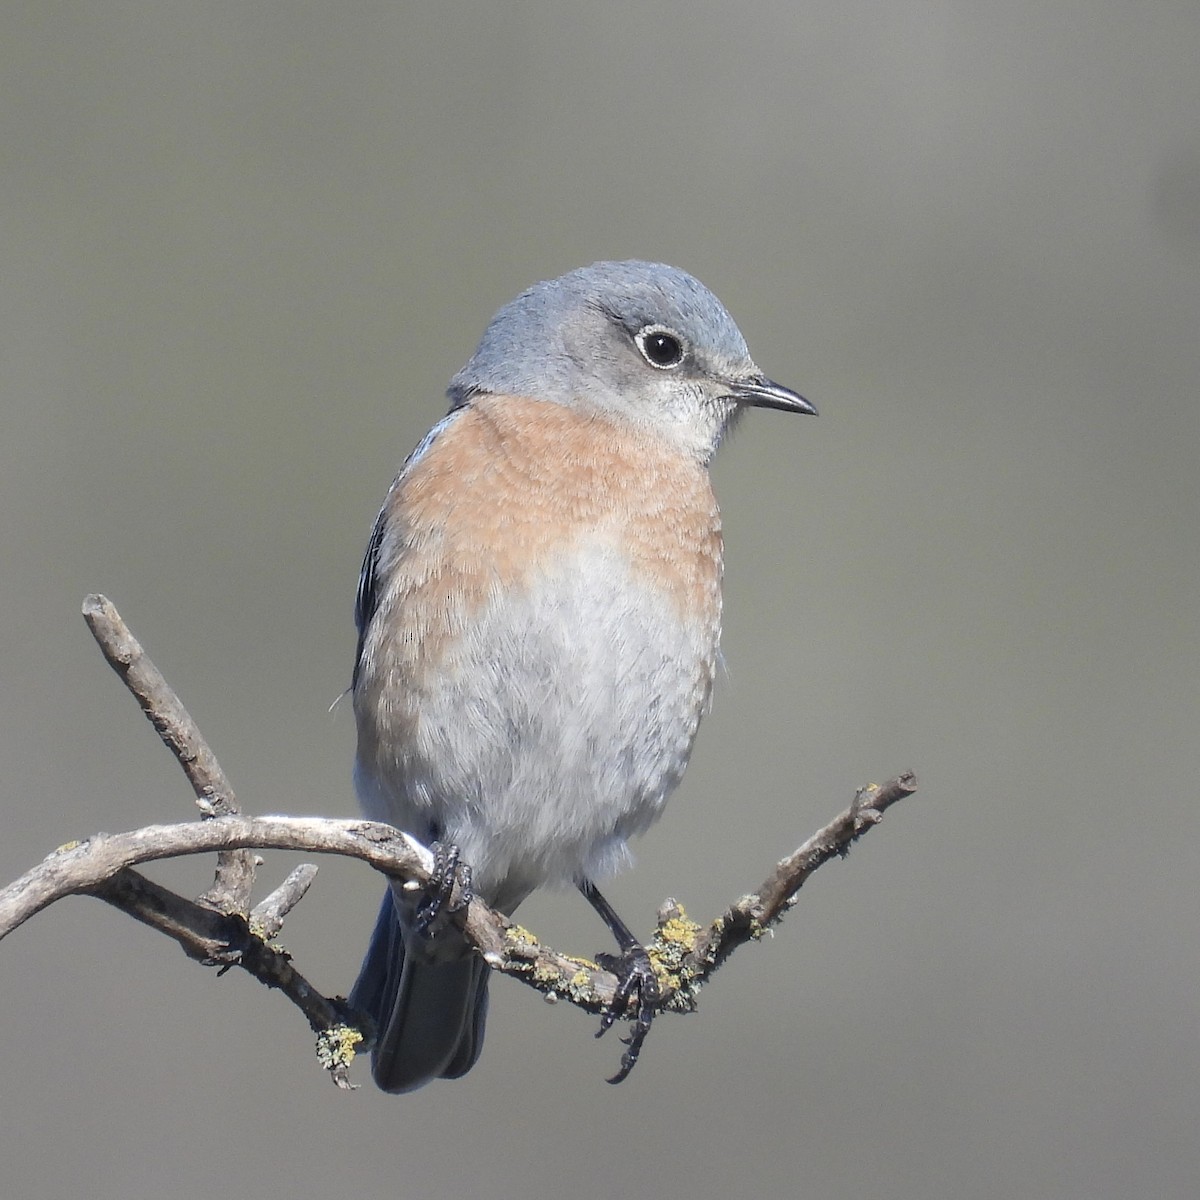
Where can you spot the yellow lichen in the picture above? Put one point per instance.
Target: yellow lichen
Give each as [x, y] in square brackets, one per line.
[336, 1047]
[679, 931]
[518, 935]
[674, 939]
[259, 930]
[544, 973]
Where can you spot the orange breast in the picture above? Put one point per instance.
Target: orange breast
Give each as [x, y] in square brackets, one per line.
[512, 481]
[499, 499]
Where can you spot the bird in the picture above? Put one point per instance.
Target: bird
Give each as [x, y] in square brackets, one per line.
[539, 615]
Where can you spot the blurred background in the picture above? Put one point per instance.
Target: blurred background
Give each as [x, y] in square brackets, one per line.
[246, 246]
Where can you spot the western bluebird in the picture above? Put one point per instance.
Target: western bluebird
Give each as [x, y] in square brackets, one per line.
[538, 617]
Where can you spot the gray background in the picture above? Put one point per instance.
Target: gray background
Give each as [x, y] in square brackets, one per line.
[245, 247]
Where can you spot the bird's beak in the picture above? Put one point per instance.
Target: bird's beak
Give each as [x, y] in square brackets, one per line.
[760, 392]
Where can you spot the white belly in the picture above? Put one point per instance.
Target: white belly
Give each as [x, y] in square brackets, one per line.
[552, 729]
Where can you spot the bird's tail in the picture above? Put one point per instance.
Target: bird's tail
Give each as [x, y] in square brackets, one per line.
[429, 1014]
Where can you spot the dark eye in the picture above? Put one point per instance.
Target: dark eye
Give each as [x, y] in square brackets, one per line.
[660, 347]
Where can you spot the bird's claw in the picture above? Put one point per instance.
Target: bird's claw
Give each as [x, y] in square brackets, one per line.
[635, 975]
[439, 899]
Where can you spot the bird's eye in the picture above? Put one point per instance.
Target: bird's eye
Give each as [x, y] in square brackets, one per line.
[660, 347]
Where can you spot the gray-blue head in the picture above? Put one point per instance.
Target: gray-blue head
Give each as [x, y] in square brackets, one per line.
[640, 339]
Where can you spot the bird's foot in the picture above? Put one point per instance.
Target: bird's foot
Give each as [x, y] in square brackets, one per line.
[439, 899]
[635, 976]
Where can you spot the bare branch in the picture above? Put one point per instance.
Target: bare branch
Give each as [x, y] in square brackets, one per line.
[214, 795]
[266, 917]
[161, 706]
[684, 955]
[219, 928]
[226, 940]
[81, 866]
[751, 916]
